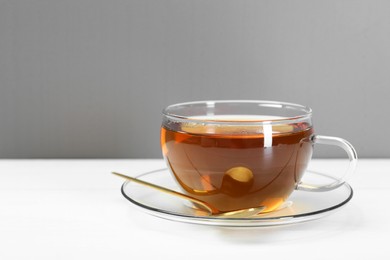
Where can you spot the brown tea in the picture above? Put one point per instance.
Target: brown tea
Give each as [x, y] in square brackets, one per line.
[236, 167]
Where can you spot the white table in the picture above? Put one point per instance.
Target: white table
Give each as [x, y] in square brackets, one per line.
[73, 209]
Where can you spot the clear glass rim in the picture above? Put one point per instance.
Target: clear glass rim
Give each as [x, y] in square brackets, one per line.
[306, 112]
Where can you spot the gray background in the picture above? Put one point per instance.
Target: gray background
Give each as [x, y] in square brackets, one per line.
[89, 78]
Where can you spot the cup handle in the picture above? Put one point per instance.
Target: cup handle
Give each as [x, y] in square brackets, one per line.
[348, 148]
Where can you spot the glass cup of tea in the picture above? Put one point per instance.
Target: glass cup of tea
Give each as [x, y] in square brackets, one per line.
[237, 154]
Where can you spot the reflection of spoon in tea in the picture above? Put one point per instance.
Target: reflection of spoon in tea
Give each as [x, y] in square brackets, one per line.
[242, 213]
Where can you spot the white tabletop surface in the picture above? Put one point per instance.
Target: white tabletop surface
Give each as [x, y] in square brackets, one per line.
[73, 209]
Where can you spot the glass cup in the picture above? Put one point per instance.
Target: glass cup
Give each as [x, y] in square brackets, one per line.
[237, 154]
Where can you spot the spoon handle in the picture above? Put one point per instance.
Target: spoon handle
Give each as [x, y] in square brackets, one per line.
[203, 204]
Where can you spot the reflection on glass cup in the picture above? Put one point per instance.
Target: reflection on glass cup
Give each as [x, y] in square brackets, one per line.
[243, 154]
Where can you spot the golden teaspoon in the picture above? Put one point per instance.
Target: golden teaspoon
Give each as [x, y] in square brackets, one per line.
[242, 213]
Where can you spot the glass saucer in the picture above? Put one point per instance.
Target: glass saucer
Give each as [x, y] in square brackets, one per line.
[302, 205]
